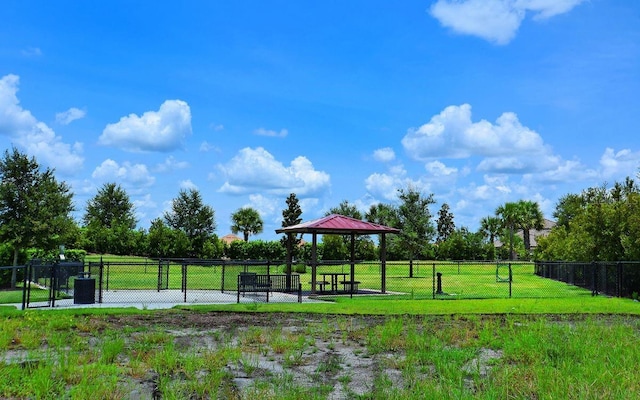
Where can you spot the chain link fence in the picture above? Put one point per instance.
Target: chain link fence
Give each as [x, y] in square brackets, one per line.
[139, 281]
[619, 279]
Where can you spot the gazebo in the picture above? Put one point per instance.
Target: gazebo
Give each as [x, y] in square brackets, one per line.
[336, 224]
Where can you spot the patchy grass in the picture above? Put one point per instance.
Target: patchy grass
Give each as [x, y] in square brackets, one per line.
[187, 354]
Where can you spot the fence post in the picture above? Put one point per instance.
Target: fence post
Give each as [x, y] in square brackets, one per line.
[25, 284]
[222, 283]
[594, 277]
[433, 281]
[619, 279]
[510, 279]
[184, 281]
[101, 275]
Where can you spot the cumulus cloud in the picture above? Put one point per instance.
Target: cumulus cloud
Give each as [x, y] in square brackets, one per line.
[72, 114]
[506, 145]
[188, 185]
[268, 132]
[162, 130]
[264, 205]
[495, 20]
[385, 154]
[131, 175]
[622, 163]
[386, 185]
[171, 164]
[38, 139]
[206, 147]
[256, 169]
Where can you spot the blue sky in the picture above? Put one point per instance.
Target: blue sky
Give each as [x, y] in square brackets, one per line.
[479, 102]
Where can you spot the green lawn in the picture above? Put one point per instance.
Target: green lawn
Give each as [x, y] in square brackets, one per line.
[459, 280]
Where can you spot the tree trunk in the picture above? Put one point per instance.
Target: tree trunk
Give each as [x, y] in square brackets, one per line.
[511, 252]
[411, 267]
[527, 239]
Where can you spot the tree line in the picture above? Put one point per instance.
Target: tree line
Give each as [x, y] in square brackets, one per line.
[35, 216]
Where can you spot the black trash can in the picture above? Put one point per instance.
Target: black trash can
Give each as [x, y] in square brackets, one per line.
[84, 289]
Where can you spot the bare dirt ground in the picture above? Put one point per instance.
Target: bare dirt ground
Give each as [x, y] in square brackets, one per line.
[337, 361]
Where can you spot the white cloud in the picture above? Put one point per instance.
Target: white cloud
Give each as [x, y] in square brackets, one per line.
[264, 205]
[438, 169]
[188, 185]
[206, 147]
[171, 164]
[507, 145]
[622, 163]
[162, 130]
[386, 185]
[131, 175]
[256, 169]
[72, 114]
[271, 133]
[38, 139]
[385, 154]
[143, 206]
[216, 127]
[495, 20]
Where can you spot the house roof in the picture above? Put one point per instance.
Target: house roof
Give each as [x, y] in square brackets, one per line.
[534, 234]
[230, 238]
[339, 225]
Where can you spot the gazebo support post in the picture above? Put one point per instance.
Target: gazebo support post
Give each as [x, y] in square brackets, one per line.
[314, 261]
[383, 263]
[353, 260]
[289, 259]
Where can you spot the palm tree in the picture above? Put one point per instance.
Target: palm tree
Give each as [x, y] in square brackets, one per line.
[246, 220]
[490, 228]
[531, 218]
[510, 215]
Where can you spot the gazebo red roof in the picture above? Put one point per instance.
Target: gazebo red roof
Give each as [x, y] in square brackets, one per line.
[339, 225]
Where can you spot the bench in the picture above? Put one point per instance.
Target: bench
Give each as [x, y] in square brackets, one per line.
[350, 286]
[259, 283]
[322, 285]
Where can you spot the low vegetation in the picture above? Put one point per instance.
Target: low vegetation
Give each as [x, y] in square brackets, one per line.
[196, 354]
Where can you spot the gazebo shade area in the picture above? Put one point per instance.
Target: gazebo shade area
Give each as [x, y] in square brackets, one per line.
[336, 224]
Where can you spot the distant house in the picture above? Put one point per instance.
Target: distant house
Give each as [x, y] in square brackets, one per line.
[227, 239]
[534, 234]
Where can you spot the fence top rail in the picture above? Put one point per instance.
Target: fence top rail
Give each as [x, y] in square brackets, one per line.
[12, 266]
[587, 263]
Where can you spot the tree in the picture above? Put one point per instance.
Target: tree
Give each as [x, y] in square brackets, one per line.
[530, 218]
[291, 216]
[194, 218]
[490, 228]
[414, 221]
[509, 214]
[346, 209]
[165, 241]
[331, 247]
[445, 224]
[110, 220]
[382, 214]
[34, 207]
[246, 220]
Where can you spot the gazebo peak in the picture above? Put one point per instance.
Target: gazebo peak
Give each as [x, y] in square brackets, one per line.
[338, 224]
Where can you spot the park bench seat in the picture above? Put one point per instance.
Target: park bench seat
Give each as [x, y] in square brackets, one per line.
[266, 283]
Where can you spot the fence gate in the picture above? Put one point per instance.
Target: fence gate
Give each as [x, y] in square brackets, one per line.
[48, 281]
[163, 275]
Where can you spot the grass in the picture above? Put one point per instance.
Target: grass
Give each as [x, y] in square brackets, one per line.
[459, 280]
[65, 354]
